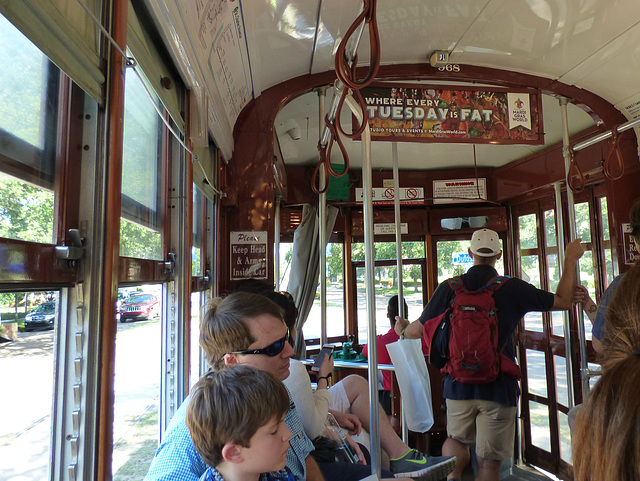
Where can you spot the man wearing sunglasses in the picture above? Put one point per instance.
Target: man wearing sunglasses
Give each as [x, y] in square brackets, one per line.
[246, 329]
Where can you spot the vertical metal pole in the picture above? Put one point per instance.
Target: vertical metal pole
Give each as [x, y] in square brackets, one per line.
[566, 151]
[370, 287]
[398, 220]
[276, 244]
[322, 216]
[565, 314]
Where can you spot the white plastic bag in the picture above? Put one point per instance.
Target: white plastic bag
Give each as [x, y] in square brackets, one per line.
[415, 385]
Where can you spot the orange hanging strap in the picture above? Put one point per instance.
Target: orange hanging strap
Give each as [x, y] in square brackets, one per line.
[321, 165]
[574, 170]
[615, 147]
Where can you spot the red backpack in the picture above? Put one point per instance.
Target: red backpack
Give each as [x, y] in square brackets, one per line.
[464, 339]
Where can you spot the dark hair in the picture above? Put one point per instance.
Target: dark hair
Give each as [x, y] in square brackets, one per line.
[254, 286]
[225, 326]
[281, 298]
[606, 444]
[393, 311]
[229, 407]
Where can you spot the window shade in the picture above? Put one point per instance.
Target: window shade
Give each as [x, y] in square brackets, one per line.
[65, 33]
[154, 67]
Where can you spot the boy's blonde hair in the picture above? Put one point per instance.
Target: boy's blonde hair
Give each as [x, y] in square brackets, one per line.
[229, 406]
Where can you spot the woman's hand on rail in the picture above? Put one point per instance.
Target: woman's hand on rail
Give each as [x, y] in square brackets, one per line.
[350, 422]
[589, 307]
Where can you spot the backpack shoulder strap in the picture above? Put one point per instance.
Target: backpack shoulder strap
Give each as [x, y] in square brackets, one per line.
[456, 283]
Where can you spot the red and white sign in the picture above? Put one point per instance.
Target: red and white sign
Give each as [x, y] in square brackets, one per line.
[386, 195]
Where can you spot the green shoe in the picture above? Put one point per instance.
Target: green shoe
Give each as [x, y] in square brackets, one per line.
[414, 464]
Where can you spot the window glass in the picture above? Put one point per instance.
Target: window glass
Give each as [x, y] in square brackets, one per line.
[583, 224]
[23, 85]
[585, 266]
[28, 322]
[536, 374]
[565, 438]
[387, 250]
[528, 233]
[557, 321]
[609, 263]
[196, 248]
[335, 291]
[197, 306]
[562, 391]
[386, 287]
[540, 429]
[530, 270]
[139, 232]
[26, 211]
[28, 114]
[335, 297]
[286, 252]
[137, 381]
[454, 259]
[604, 213]
[557, 317]
[550, 228]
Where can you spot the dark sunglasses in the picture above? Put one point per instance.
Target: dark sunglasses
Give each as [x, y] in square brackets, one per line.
[271, 350]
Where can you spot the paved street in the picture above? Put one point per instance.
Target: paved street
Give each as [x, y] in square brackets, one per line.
[26, 367]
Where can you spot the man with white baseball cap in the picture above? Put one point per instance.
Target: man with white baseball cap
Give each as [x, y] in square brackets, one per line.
[484, 414]
[485, 243]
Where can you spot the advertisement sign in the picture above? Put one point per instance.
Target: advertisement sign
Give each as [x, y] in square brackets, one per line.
[385, 195]
[411, 113]
[248, 255]
[455, 191]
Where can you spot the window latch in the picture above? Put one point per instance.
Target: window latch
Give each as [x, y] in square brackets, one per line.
[170, 264]
[73, 252]
[206, 279]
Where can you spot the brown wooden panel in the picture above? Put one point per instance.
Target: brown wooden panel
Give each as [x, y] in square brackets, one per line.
[26, 265]
[141, 270]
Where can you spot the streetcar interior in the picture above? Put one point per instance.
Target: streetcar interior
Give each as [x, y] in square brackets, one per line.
[132, 177]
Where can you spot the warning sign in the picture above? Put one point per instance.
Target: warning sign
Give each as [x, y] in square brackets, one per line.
[631, 254]
[248, 255]
[457, 191]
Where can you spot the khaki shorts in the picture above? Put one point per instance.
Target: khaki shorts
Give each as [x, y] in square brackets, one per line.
[489, 424]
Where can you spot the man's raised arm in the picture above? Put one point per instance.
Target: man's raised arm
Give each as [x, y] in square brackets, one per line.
[563, 298]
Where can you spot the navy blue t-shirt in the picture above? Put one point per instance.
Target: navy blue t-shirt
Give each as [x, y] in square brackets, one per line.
[513, 300]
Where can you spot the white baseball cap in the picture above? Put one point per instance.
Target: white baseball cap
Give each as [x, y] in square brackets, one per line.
[485, 243]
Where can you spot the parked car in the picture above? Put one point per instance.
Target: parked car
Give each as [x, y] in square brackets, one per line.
[42, 317]
[138, 307]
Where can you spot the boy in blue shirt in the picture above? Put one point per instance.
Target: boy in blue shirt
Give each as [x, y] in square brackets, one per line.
[236, 422]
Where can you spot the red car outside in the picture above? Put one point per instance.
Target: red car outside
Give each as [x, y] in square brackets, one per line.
[138, 307]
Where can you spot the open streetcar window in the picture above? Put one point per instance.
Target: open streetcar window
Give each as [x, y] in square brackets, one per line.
[28, 108]
[386, 284]
[141, 174]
